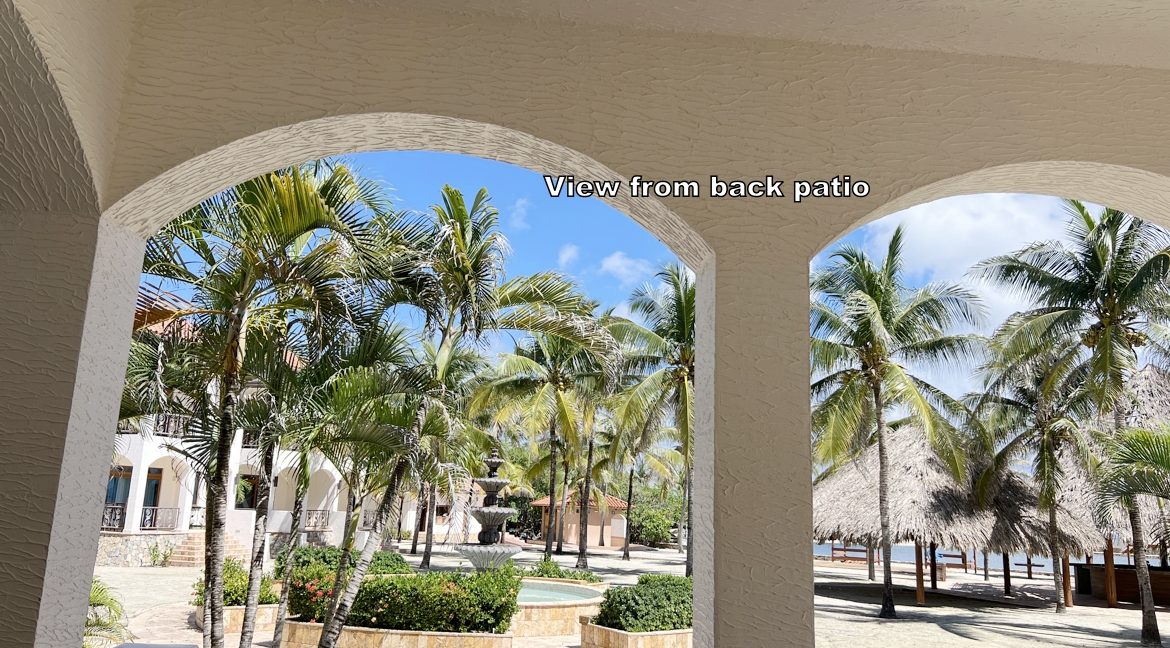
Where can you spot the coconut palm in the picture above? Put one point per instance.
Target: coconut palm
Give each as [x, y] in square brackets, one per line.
[868, 327]
[1031, 407]
[1104, 284]
[664, 351]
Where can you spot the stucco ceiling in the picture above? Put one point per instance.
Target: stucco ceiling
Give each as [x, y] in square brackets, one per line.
[1122, 32]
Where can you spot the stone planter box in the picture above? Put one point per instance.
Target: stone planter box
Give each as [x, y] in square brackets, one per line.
[298, 634]
[233, 617]
[555, 618]
[593, 636]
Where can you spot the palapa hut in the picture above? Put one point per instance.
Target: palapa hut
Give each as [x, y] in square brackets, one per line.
[926, 504]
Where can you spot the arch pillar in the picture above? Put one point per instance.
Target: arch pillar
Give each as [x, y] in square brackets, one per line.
[752, 494]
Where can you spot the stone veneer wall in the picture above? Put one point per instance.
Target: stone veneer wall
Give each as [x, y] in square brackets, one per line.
[133, 549]
[233, 617]
[306, 635]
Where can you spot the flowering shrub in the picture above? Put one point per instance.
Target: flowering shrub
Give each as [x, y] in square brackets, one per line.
[434, 602]
[384, 562]
[310, 591]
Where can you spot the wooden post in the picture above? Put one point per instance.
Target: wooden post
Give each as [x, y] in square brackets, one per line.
[1007, 575]
[933, 566]
[1064, 571]
[1110, 576]
[986, 575]
[1029, 561]
[869, 563]
[919, 590]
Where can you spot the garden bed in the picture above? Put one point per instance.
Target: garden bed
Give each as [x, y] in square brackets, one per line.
[595, 636]
[298, 634]
[233, 617]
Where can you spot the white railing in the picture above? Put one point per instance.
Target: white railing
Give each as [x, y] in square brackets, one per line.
[154, 517]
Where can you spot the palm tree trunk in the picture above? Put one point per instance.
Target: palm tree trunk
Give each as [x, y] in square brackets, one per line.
[208, 518]
[217, 506]
[583, 518]
[682, 514]
[398, 529]
[1150, 634]
[1057, 576]
[294, 541]
[259, 537]
[344, 598]
[629, 514]
[601, 532]
[690, 535]
[552, 488]
[347, 540]
[564, 509]
[426, 559]
[887, 611]
[418, 521]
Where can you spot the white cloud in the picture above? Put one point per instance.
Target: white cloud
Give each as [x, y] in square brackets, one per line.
[943, 239]
[518, 216]
[567, 256]
[627, 270]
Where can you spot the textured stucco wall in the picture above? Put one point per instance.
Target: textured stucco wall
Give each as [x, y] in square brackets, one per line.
[217, 91]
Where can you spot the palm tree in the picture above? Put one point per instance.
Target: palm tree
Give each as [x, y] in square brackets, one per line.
[542, 385]
[105, 622]
[641, 457]
[1031, 407]
[867, 327]
[1105, 285]
[665, 350]
[239, 256]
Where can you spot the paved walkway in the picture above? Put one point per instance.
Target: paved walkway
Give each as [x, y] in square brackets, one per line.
[966, 611]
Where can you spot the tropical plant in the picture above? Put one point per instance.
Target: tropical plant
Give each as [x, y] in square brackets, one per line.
[244, 259]
[1031, 407]
[867, 327]
[1105, 285]
[105, 620]
[664, 352]
[656, 603]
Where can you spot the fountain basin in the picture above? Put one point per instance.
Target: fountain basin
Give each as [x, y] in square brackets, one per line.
[492, 516]
[554, 607]
[487, 556]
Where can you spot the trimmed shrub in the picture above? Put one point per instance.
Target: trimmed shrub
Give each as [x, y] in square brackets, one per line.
[656, 603]
[650, 525]
[434, 602]
[384, 562]
[549, 568]
[235, 586]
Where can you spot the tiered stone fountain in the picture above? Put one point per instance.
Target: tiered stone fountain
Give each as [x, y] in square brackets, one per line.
[489, 553]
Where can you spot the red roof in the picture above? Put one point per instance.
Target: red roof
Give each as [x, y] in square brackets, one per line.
[611, 502]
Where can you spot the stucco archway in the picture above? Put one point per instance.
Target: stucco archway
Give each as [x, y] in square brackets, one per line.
[126, 224]
[1142, 193]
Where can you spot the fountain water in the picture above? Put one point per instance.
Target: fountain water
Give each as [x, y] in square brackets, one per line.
[489, 553]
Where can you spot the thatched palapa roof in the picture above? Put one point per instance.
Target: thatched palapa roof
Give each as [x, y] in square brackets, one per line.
[926, 504]
[1020, 525]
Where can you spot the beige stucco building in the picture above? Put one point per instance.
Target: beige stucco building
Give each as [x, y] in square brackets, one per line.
[115, 115]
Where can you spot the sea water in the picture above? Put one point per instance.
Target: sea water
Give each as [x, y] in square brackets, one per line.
[1040, 564]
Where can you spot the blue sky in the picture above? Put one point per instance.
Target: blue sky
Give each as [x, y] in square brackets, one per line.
[606, 252]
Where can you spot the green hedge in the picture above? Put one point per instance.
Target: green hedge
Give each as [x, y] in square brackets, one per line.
[549, 568]
[434, 602]
[384, 562]
[656, 603]
[235, 586]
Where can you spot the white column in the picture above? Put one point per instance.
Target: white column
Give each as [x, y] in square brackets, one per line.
[752, 493]
[66, 311]
[186, 488]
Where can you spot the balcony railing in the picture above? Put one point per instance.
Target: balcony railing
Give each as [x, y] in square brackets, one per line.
[198, 517]
[114, 517]
[317, 519]
[251, 439]
[368, 517]
[154, 517]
